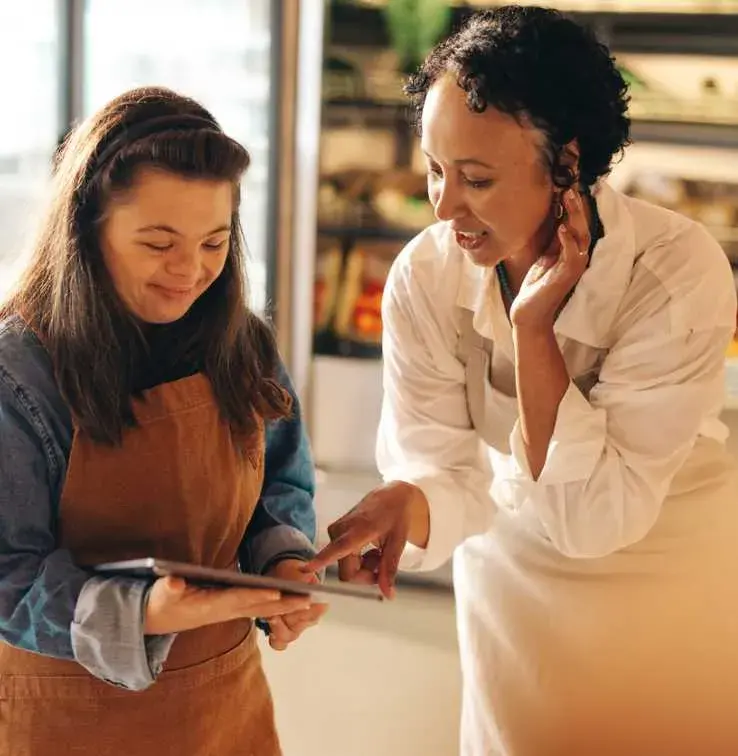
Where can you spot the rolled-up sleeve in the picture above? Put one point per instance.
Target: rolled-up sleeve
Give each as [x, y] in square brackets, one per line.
[426, 436]
[577, 443]
[48, 605]
[284, 524]
[611, 460]
[108, 633]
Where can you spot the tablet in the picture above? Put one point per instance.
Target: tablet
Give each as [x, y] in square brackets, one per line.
[210, 577]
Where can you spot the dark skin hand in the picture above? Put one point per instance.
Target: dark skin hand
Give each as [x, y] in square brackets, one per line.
[367, 542]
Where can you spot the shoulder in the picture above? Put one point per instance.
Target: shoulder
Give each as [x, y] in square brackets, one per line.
[24, 363]
[27, 380]
[421, 302]
[428, 269]
[684, 264]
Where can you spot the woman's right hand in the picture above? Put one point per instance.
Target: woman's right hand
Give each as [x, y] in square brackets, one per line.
[384, 520]
[174, 606]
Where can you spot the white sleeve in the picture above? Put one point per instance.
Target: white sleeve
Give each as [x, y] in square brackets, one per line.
[612, 459]
[425, 434]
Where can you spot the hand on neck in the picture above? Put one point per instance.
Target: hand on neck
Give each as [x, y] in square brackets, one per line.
[543, 242]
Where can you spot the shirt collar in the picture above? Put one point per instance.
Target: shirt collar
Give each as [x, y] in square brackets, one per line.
[590, 312]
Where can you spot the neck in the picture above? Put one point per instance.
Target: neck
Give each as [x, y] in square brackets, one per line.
[519, 263]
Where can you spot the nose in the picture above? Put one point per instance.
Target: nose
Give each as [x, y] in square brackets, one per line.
[447, 202]
[184, 263]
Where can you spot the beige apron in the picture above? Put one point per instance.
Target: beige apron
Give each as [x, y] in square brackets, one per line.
[634, 654]
[177, 488]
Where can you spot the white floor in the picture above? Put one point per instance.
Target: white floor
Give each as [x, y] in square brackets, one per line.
[372, 679]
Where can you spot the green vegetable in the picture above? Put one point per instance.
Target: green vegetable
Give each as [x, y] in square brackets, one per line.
[414, 27]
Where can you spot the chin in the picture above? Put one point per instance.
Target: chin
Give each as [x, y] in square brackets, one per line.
[486, 255]
[161, 317]
[483, 258]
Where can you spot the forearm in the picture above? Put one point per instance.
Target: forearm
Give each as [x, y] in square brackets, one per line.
[108, 633]
[542, 381]
[53, 608]
[37, 600]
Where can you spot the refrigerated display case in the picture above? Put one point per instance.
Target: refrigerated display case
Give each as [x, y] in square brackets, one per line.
[366, 194]
[371, 188]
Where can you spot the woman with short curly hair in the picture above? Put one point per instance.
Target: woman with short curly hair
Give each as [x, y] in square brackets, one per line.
[553, 374]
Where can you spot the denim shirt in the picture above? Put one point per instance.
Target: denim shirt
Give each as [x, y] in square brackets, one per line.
[50, 606]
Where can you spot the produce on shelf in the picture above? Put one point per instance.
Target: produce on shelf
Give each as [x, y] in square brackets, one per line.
[327, 282]
[359, 310]
[385, 199]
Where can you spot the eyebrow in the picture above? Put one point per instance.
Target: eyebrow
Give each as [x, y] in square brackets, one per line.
[170, 230]
[473, 161]
[465, 161]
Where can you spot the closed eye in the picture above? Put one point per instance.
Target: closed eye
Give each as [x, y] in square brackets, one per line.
[158, 247]
[215, 246]
[478, 183]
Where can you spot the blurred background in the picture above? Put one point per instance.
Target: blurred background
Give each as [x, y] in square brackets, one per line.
[313, 89]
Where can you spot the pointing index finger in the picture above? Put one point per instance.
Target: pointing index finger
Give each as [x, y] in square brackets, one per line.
[343, 546]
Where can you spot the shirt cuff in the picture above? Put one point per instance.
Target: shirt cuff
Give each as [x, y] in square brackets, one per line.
[274, 544]
[576, 445]
[447, 528]
[107, 633]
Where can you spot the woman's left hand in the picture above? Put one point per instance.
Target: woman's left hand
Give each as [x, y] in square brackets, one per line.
[287, 628]
[556, 271]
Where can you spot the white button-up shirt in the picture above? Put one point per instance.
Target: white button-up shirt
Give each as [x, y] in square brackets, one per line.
[658, 303]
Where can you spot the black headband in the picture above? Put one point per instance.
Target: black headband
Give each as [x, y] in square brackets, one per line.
[171, 122]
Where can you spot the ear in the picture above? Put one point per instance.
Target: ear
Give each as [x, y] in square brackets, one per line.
[566, 168]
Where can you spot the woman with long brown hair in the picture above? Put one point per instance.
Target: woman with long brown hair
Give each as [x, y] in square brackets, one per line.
[144, 411]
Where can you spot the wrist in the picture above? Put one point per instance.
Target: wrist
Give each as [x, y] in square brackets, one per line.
[535, 338]
[537, 331]
[282, 564]
[418, 514]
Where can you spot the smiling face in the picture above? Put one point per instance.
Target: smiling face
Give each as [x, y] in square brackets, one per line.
[486, 178]
[165, 241]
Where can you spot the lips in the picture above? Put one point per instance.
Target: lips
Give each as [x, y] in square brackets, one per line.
[470, 240]
[173, 293]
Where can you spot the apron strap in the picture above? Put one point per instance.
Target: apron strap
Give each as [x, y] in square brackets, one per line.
[490, 410]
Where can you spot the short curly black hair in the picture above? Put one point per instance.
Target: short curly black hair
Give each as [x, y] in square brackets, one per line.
[536, 64]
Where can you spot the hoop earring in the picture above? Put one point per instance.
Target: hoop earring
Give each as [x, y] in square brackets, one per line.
[558, 209]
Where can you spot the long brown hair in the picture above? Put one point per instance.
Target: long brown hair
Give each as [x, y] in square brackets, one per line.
[67, 297]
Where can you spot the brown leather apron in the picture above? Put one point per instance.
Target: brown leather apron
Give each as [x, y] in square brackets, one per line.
[177, 488]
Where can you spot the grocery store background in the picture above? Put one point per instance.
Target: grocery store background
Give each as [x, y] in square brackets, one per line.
[313, 89]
